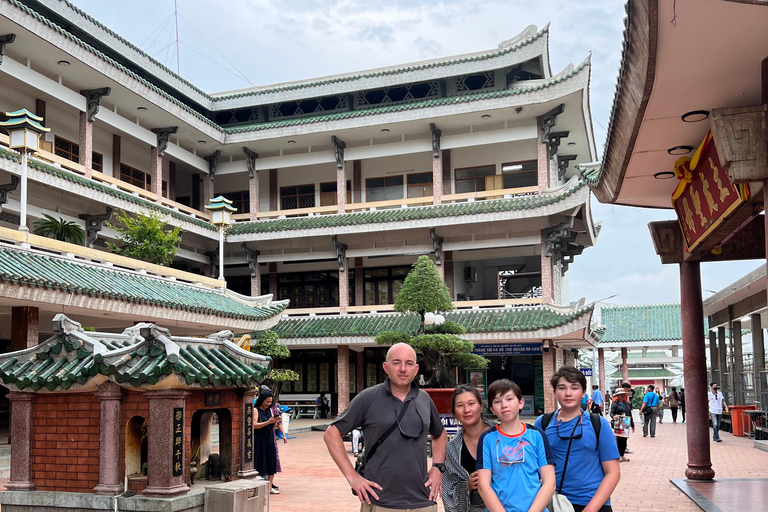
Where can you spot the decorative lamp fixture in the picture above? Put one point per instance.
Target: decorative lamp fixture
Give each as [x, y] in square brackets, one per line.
[680, 150]
[664, 175]
[694, 116]
[24, 129]
[221, 216]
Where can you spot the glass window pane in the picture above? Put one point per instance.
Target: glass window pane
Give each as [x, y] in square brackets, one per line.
[288, 191]
[394, 181]
[374, 182]
[465, 186]
[423, 177]
[383, 292]
[328, 187]
[307, 189]
[369, 296]
[394, 192]
[375, 194]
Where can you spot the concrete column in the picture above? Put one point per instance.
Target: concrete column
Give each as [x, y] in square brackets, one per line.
[172, 181]
[357, 181]
[208, 190]
[21, 441]
[256, 281]
[359, 287]
[722, 354]
[344, 291]
[343, 376]
[116, 155]
[341, 187]
[246, 466]
[695, 366]
[624, 367]
[437, 179]
[86, 144]
[601, 369]
[40, 108]
[738, 363]
[253, 195]
[273, 281]
[441, 270]
[162, 483]
[448, 272]
[544, 160]
[446, 159]
[156, 171]
[547, 277]
[110, 422]
[24, 327]
[758, 350]
[360, 367]
[273, 191]
[549, 366]
[714, 361]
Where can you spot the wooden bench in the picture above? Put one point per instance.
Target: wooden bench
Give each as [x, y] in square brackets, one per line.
[302, 405]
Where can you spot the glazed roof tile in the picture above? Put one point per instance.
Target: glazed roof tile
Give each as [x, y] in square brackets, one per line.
[405, 214]
[140, 357]
[475, 321]
[451, 100]
[37, 269]
[645, 373]
[641, 322]
[100, 187]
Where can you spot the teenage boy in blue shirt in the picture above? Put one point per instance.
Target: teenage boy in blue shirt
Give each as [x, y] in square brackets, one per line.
[514, 462]
[593, 464]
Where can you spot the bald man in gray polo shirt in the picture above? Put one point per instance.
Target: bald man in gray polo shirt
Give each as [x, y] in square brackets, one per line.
[396, 477]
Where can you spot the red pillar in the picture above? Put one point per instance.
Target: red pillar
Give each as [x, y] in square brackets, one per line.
[21, 439]
[437, 179]
[110, 421]
[624, 368]
[695, 365]
[343, 376]
[24, 327]
[86, 144]
[601, 369]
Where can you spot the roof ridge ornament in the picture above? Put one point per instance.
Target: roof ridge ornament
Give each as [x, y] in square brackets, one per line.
[4, 40]
[223, 335]
[93, 96]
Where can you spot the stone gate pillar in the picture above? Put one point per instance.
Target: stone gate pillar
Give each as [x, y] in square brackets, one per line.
[162, 448]
[110, 423]
[247, 452]
[21, 439]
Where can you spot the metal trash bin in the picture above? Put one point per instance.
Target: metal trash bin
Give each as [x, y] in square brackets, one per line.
[238, 496]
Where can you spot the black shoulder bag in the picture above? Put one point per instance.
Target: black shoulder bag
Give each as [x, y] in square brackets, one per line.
[363, 458]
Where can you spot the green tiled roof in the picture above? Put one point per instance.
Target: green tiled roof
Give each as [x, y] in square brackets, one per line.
[404, 214]
[475, 321]
[641, 322]
[30, 268]
[638, 355]
[645, 373]
[388, 72]
[451, 100]
[95, 185]
[142, 355]
[111, 61]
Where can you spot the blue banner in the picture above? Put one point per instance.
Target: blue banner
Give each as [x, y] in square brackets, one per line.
[586, 371]
[507, 349]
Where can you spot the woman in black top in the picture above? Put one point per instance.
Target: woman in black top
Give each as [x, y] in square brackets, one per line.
[674, 403]
[460, 479]
[264, 447]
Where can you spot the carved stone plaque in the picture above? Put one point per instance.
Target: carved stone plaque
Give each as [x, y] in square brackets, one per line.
[739, 134]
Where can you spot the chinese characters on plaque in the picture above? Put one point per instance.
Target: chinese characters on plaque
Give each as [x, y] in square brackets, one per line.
[178, 440]
[213, 399]
[248, 432]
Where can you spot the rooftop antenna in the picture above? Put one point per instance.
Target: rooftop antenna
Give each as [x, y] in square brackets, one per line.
[176, 16]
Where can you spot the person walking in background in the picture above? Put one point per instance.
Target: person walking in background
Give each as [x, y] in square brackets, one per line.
[585, 401]
[608, 402]
[630, 391]
[660, 408]
[674, 403]
[649, 409]
[597, 400]
[716, 406]
[264, 445]
[460, 481]
[621, 407]
[682, 402]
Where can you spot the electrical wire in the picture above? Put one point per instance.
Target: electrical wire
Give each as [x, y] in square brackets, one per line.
[210, 59]
[158, 30]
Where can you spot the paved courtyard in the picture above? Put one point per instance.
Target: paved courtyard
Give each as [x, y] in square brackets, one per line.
[311, 482]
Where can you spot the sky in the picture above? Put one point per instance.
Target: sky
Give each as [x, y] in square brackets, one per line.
[238, 44]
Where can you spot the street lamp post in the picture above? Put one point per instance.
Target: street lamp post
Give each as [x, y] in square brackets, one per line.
[24, 128]
[221, 216]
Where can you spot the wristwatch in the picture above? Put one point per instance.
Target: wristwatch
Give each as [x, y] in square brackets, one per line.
[440, 466]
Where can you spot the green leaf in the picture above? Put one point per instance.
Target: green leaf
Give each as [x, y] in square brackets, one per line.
[63, 230]
[145, 237]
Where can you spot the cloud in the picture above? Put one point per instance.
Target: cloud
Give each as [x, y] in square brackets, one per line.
[427, 47]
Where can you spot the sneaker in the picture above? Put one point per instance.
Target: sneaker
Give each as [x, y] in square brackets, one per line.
[274, 491]
[645, 435]
[623, 459]
[718, 440]
[627, 451]
[275, 487]
[653, 436]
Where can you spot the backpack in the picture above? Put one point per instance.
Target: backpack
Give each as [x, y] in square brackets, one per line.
[593, 418]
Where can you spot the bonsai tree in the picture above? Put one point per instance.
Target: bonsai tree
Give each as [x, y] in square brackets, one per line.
[267, 344]
[440, 347]
[60, 229]
[146, 237]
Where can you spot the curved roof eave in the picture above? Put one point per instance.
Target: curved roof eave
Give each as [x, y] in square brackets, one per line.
[529, 44]
[571, 80]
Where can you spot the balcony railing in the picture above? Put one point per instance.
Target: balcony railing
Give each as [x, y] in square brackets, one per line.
[394, 203]
[386, 308]
[57, 161]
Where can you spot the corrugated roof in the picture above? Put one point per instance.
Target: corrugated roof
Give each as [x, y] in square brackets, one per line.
[141, 356]
[475, 321]
[40, 270]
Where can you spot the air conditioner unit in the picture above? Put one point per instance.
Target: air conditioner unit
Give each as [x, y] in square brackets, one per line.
[470, 274]
[238, 496]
